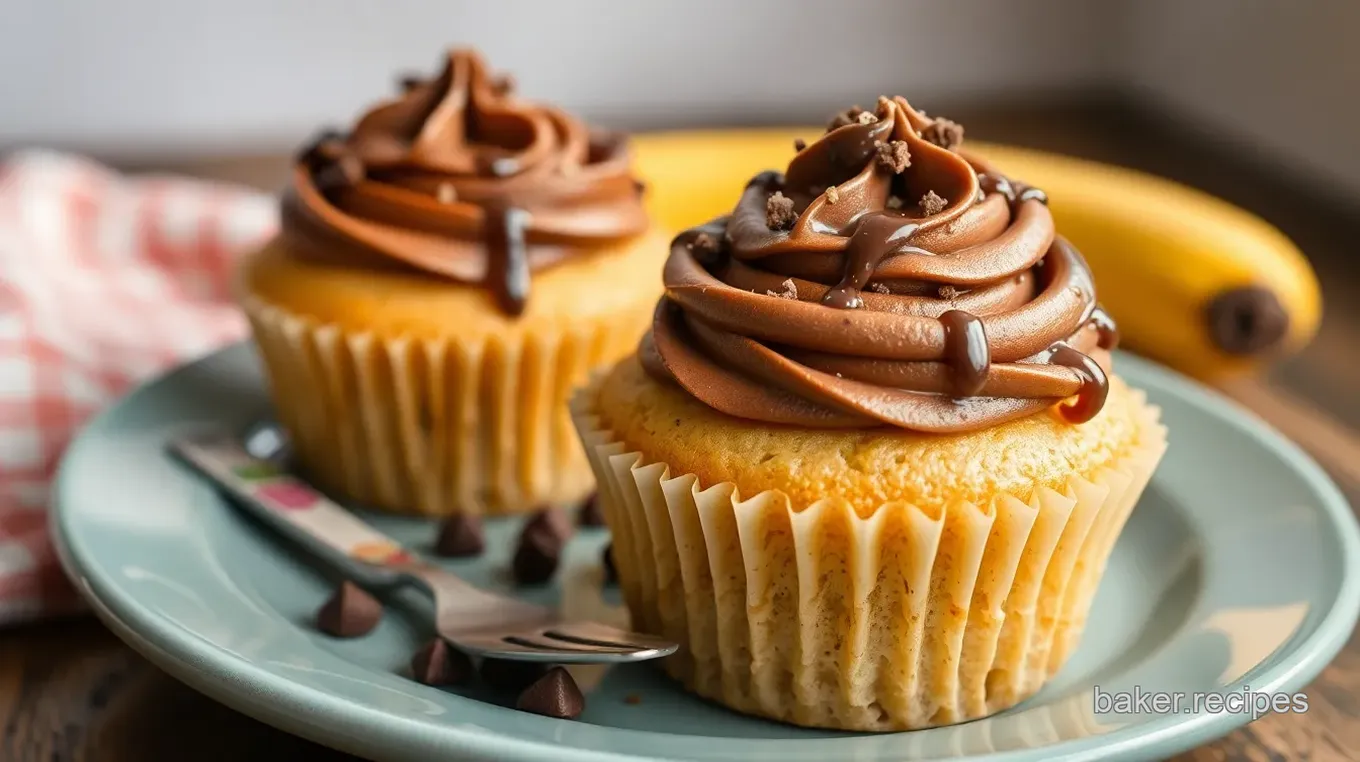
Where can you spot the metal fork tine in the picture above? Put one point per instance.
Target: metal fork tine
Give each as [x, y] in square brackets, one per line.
[594, 632]
[548, 643]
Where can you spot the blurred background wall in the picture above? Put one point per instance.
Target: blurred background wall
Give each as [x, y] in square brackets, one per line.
[148, 78]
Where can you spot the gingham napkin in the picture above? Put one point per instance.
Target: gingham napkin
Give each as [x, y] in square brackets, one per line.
[104, 281]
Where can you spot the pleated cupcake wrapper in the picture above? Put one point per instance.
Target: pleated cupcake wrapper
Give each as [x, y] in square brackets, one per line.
[437, 427]
[902, 619]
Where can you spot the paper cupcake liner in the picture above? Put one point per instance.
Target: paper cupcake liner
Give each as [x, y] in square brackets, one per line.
[436, 427]
[905, 619]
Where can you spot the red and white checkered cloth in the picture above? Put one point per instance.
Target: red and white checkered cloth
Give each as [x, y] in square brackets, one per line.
[104, 281]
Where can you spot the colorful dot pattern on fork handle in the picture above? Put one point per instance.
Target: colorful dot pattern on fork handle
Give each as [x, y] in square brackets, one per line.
[383, 553]
[287, 495]
[270, 488]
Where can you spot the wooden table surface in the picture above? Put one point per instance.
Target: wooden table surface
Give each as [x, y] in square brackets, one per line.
[71, 692]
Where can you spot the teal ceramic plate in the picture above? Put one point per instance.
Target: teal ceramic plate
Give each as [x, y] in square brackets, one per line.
[1236, 574]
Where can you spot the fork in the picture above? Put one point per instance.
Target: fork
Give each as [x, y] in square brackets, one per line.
[477, 621]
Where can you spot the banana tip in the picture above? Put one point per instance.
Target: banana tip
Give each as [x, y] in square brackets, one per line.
[1247, 320]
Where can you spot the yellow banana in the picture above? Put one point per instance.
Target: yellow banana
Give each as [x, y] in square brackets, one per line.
[1193, 281]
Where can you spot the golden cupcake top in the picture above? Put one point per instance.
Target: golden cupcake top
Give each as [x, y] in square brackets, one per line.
[461, 178]
[886, 278]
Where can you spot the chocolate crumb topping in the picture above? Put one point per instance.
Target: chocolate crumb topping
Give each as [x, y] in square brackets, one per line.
[963, 339]
[704, 246]
[526, 186]
[779, 212]
[844, 118]
[931, 203]
[866, 117]
[893, 156]
[944, 133]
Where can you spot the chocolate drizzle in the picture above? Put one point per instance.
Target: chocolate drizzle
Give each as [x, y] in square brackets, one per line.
[460, 178]
[929, 292]
[507, 269]
[965, 349]
[1106, 329]
[875, 236]
[1013, 191]
[1095, 385]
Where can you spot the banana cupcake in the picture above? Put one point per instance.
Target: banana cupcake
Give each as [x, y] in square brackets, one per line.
[446, 272]
[870, 461]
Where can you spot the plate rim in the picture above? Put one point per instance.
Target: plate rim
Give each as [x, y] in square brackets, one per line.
[238, 684]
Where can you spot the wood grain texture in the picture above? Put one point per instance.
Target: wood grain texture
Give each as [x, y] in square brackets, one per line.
[70, 692]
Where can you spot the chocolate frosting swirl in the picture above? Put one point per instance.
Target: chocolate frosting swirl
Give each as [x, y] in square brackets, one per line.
[462, 179]
[883, 279]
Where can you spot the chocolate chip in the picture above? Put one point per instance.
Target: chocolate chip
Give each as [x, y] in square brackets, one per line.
[1247, 320]
[943, 133]
[409, 82]
[508, 675]
[779, 212]
[932, 203]
[438, 664]
[591, 514]
[799, 144]
[611, 572]
[553, 695]
[349, 613]
[460, 537]
[540, 548]
[893, 156]
[551, 520]
[640, 187]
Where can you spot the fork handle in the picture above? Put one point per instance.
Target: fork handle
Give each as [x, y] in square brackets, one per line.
[297, 510]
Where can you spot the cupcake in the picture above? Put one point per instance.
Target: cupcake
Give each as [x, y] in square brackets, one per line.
[446, 273]
[870, 461]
